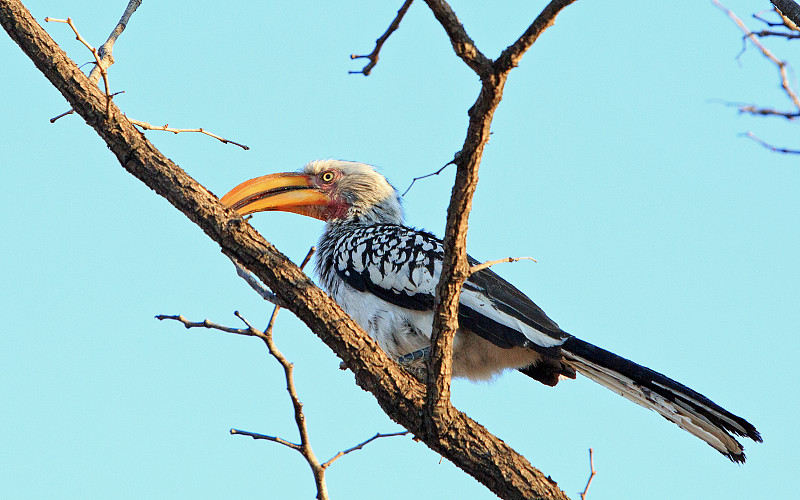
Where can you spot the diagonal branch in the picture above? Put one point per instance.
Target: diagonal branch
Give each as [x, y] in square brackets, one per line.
[781, 65]
[361, 445]
[98, 63]
[105, 50]
[462, 44]
[511, 56]
[373, 56]
[769, 146]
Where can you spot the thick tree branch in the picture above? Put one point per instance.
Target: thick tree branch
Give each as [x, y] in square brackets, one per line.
[463, 441]
[512, 55]
[462, 44]
[455, 267]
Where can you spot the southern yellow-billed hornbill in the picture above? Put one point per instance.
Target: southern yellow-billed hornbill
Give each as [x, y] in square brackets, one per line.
[384, 275]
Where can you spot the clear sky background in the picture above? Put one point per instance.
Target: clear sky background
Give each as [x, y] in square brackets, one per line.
[661, 234]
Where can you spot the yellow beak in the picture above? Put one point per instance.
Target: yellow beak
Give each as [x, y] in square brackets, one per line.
[287, 192]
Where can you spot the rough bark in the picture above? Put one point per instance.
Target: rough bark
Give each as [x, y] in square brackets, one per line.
[461, 440]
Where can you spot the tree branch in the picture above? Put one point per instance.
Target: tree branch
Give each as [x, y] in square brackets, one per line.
[361, 445]
[455, 267]
[166, 128]
[489, 263]
[462, 44]
[772, 148]
[373, 56]
[105, 51]
[467, 444]
[592, 473]
[781, 65]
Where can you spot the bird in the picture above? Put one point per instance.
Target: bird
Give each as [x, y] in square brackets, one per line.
[384, 273]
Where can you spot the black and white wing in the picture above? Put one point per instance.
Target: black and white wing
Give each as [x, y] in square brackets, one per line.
[402, 266]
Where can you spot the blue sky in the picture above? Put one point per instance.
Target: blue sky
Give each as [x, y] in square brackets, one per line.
[660, 234]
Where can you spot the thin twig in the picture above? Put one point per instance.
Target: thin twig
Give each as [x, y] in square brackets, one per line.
[288, 368]
[105, 50]
[755, 110]
[479, 267]
[166, 128]
[249, 332]
[274, 439]
[373, 56]
[361, 445]
[415, 179]
[781, 65]
[98, 62]
[591, 475]
[770, 146]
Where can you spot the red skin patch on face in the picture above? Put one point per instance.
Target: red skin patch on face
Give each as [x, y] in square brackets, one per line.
[336, 209]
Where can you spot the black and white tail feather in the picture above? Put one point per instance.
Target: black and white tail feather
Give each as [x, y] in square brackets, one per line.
[672, 400]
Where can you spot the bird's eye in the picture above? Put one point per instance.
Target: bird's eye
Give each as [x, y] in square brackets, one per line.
[327, 177]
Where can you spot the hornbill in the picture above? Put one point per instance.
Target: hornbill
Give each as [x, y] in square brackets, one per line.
[384, 275]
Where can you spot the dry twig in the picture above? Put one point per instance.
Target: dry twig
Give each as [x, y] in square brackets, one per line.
[304, 447]
[373, 56]
[167, 128]
[98, 63]
[415, 179]
[781, 65]
[489, 263]
[591, 474]
[770, 146]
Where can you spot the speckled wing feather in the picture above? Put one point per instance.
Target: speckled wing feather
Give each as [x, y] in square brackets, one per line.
[402, 266]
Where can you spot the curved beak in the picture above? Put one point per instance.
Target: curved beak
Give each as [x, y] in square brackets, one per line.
[287, 192]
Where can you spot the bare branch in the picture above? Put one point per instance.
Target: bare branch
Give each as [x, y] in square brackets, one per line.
[274, 439]
[361, 445]
[771, 147]
[455, 266]
[463, 45]
[256, 285]
[105, 50]
[591, 475]
[249, 332]
[108, 47]
[415, 179]
[95, 53]
[373, 56]
[479, 267]
[782, 65]
[167, 128]
[755, 110]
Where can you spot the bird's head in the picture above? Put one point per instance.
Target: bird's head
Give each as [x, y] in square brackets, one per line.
[325, 189]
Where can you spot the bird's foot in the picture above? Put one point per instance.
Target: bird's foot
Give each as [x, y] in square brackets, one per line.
[416, 363]
[415, 358]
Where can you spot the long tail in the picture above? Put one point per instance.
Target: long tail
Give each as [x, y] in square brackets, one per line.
[674, 401]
